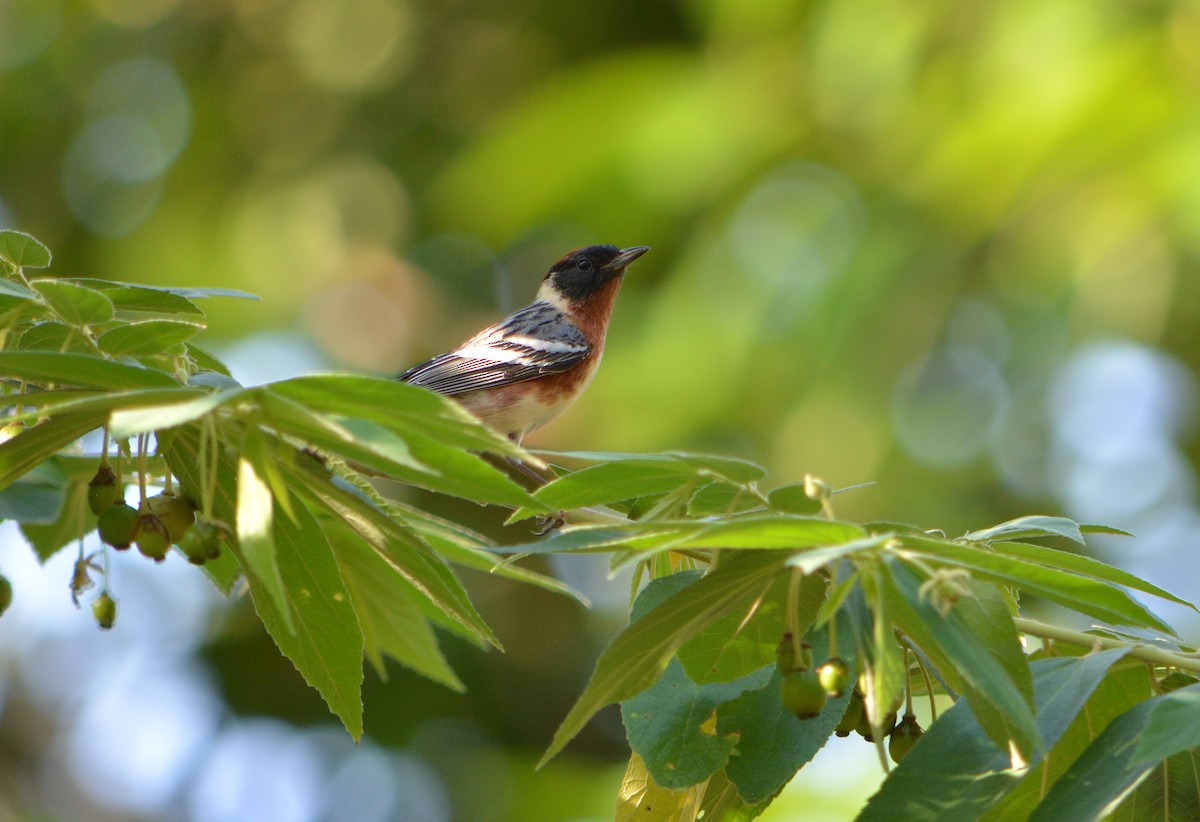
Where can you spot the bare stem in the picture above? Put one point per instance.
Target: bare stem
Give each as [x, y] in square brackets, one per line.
[1146, 653]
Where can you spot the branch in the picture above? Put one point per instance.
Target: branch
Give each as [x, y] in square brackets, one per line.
[1146, 653]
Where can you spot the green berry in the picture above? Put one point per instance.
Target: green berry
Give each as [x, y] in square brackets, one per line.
[785, 655]
[853, 715]
[175, 513]
[802, 694]
[116, 525]
[903, 737]
[201, 543]
[102, 490]
[834, 675]
[6, 593]
[104, 609]
[152, 537]
[864, 726]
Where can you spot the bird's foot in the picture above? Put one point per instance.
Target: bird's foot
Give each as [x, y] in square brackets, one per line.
[546, 523]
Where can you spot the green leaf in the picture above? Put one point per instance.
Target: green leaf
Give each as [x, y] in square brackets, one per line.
[640, 799]
[195, 293]
[810, 560]
[1172, 727]
[1170, 792]
[184, 407]
[402, 550]
[51, 336]
[392, 622]
[1029, 528]
[461, 474]
[256, 540]
[1084, 594]
[976, 644]
[881, 660]
[1093, 528]
[140, 299]
[793, 499]
[613, 481]
[1120, 756]
[772, 744]
[80, 370]
[34, 445]
[22, 251]
[774, 531]
[360, 441]
[719, 498]
[75, 304]
[146, 338]
[399, 406]
[37, 497]
[930, 786]
[1123, 688]
[742, 642]
[74, 520]
[670, 725]
[1080, 564]
[639, 654]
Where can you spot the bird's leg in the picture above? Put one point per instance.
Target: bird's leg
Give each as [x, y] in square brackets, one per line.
[544, 523]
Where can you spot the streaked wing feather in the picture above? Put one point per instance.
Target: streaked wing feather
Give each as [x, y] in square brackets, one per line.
[533, 342]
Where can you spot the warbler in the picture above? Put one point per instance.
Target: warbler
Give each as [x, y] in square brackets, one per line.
[525, 370]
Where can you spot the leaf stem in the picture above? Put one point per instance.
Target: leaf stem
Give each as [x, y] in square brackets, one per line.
[1146, 653]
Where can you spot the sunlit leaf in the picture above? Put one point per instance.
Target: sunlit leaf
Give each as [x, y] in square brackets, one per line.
[1029, 528]
[190, 406]
[1114, 763]
[640, 799]
[740, 643]
[146, 338]
[772, 744]
[140, 299]
[256, 539]
[34, 445]
[77, 305]
[80, 370]
[929, 785]
[22, 251]
[670, 725]
[1084, 594]
[639, 654]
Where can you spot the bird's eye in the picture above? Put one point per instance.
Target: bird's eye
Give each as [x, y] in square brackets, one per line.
[584, 264]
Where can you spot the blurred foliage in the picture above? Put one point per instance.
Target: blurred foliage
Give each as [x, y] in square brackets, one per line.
[887, 237]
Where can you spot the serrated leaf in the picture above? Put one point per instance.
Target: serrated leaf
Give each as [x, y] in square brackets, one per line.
[793, 499]
[51, 336]
[722, 803]
[34, 445]
[639, 654]
[613, 481]
[392, 623]
[740, 643]
[1080, 564]
[881, 667]
[775, 531]
[1031, 527]
[976, 644]
[195, 293]
[719, 498]
[772, 744]
[670, 725]
[22, 251]
[1116, 761]
[140, 299]
[403, 551]
[930, 786]
[75, 304]
[80, 370]
[146, 338]
[256, 538]
[74, 520]
[37, 497]
[190, 406]
[360, 441]
[399, 406]
[1169, 793]
[640, 799]
[1084, 594]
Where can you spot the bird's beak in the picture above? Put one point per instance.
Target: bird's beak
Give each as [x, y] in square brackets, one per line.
[626, 256]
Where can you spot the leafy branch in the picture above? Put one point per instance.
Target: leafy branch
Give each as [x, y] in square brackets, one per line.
[765, 626]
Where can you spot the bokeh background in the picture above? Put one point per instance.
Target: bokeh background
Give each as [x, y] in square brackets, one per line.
[947, 248]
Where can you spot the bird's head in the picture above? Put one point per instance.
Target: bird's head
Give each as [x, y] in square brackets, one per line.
[582, 272]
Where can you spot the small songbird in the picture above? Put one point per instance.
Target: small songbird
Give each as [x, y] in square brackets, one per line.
[525, 370]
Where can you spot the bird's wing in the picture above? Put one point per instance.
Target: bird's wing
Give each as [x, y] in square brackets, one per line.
[537, 340]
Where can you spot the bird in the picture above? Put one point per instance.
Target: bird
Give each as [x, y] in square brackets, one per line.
[527, 369]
